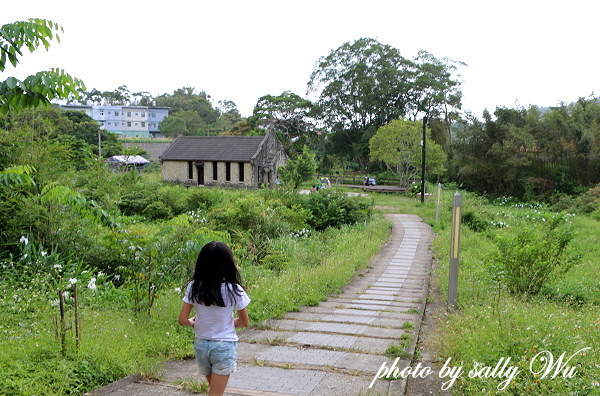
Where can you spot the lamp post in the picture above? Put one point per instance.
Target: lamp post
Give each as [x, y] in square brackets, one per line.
[424, 151]
[454, 250]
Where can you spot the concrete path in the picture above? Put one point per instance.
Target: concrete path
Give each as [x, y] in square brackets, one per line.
[336, 348]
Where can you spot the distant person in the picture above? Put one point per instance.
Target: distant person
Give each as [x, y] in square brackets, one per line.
[214, 292]
[366, 181]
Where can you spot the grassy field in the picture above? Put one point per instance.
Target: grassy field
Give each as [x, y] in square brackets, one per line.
[493, 325]
[117, 342]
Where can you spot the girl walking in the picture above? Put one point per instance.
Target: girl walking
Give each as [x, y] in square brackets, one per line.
[214, 292]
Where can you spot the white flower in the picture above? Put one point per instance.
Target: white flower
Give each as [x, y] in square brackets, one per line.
[24, 240]
[72, 281]
[58, 266]
[117, 276]
[92, 284]
[177, 289]
[44, 253]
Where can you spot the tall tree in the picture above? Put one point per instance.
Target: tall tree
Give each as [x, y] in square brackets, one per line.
[289, 116]
[362, 85]
[41, 88]
[437, 89]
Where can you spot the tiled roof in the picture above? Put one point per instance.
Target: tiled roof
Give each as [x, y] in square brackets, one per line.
[213, 148]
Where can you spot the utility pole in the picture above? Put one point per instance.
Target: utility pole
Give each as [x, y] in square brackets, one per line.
[99, 143]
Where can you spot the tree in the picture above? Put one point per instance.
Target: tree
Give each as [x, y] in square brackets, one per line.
[298, 170]
[41, 88]
[398, 145]
[173, 126]
[289, 116]
[436, 91]
[362, 85]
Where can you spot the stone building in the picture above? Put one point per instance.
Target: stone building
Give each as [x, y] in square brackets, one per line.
[224, 161]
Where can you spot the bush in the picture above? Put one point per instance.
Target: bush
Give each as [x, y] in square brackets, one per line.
[332, 209]
[157, 210]
[475, 221]
[528, 257]
[203, 198]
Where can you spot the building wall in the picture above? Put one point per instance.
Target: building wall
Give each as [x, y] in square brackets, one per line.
[127, 121]
[178, 171]
[155, 116]
[270, 157]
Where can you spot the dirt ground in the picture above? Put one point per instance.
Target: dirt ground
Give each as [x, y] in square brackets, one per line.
[435, 311]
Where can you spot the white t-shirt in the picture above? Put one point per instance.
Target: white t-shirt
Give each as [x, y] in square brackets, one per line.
[214, 322]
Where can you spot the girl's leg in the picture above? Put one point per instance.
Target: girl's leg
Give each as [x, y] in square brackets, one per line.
[217, 384]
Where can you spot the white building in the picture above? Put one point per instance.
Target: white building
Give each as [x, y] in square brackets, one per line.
[125, 121]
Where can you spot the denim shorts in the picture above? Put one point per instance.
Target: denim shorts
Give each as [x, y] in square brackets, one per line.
[217, 357]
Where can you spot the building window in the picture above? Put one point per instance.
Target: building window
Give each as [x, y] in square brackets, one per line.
[101, 113]
[241, 171]
[129, 114]
[227, 171]
[128, 123]
[116, 113]
[190, 169]
[143, 124]
[215, 174]
[143, 114]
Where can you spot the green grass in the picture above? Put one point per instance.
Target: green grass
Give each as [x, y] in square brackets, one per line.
[491, 323]
[116, 343]
[321, 265]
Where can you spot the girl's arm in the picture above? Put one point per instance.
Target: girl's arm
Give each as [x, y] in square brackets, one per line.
[242, 320]
[184, 315]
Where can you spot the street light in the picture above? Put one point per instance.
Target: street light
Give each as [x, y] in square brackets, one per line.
[423, 159]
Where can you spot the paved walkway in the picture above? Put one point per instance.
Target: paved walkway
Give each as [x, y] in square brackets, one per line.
[336, 348]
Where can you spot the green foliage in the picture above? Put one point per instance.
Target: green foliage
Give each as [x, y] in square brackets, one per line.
[398, 145]
[288, 115]
[474, 221]
[19, 175]
[298, 170]
[530, 256]
[334, 209]
[38, 89]
[528, 153]
[203, 198]
[364, 84]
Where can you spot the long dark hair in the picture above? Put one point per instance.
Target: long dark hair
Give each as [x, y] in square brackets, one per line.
[215, 265]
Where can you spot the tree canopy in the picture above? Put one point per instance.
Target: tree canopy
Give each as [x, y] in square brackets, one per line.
[290, 116]
[365, 84]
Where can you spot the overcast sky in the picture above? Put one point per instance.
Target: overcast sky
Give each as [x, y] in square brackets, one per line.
[517, 52]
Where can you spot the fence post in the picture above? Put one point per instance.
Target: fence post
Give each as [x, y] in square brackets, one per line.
[454, 250]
